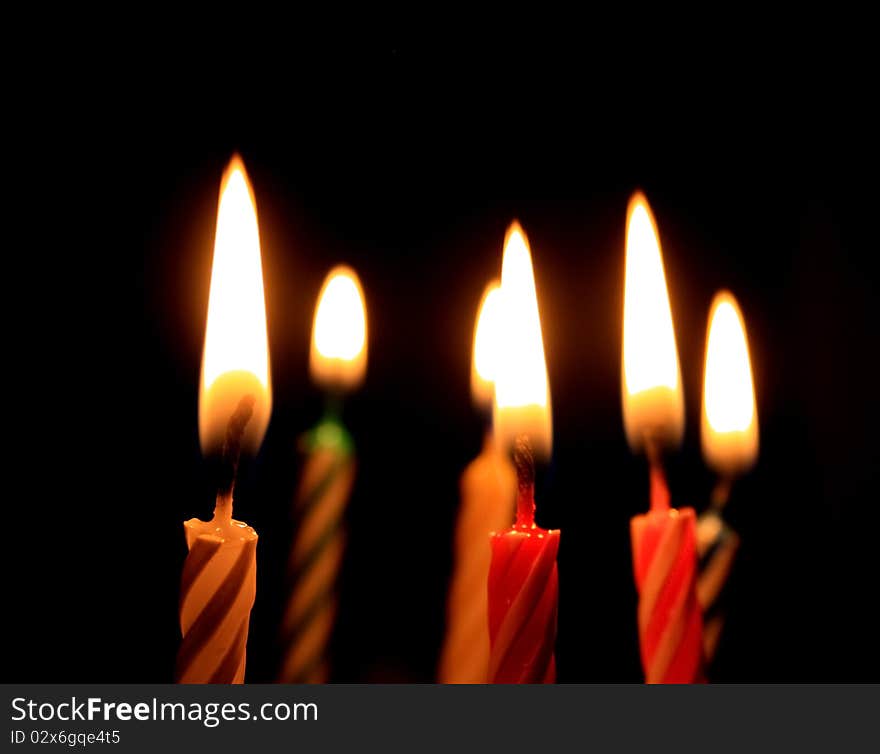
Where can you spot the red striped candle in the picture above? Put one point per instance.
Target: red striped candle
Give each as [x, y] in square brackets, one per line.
[665, 565]
[523, 590]
[663, 539]
[523, 582]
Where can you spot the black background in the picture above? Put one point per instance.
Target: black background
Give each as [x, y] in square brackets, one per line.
[410, 167]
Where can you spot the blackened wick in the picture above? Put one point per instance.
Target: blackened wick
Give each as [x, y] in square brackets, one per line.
[232, 444]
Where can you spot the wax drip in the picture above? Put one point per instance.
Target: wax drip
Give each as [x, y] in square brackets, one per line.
[231, 455]
[524, 462]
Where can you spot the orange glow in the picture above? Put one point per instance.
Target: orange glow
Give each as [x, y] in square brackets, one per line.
[653, 403]
[730, 421]
[235, 362]
[487, 346]
[338, 358]
[522, 393]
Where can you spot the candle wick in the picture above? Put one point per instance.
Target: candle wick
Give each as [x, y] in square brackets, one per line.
[721, 493]
[659, 489]
[333, 405]
[524, 462]
[231, 455]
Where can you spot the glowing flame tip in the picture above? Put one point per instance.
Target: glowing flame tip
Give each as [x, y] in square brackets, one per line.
[729, 425]
[338, 357]
[522, 393]
[653, 403]
[235, 361]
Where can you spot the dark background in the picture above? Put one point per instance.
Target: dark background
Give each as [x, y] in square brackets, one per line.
[410, 168]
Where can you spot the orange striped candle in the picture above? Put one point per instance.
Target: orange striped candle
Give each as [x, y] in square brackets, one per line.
[219, 579]
[218, 586]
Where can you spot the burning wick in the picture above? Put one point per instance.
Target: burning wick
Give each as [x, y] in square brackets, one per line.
[524, 462]
[721, 493]
[523, 588]
[660, 499]
[219, 580]
[230, 458]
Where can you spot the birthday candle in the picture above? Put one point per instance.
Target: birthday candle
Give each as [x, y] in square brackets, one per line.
[729, 434]
[338, 363]
[523, 588]
[523, 577]
[488, 493]
[218, 585]
[664, 538]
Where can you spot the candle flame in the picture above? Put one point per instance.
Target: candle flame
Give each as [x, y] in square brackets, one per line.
[730, 420]
[522, 393]
[338, 357]
[653, 403]
[235, 362]
[487, 345]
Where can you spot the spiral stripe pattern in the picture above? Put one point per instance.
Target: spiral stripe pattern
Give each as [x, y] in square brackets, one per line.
[523, 599]
[315, 559]
[217, 593]
[669, 620]
[717, 545]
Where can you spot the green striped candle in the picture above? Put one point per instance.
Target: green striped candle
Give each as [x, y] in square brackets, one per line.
[319, 507]
[337, 364]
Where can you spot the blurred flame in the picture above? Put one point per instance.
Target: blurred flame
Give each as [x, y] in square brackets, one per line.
[730, 420]
[235, 361]
[522, 394]
[338, 358]
[653, 404]
[487, 346]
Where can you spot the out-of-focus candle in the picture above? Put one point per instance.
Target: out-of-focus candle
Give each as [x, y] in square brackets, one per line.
[337, 363]
[664, 539]
[488, 341]
[730, 446]
[219, 576]
[338, 356]
[729, 418]
[488, 493]
[523, 577]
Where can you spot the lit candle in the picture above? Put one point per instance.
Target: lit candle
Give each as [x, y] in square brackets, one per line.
[485, 356]
[729, 433]
[337, 363]
[488, 493]
[664, 539]
[523, 578]
[219, 576]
